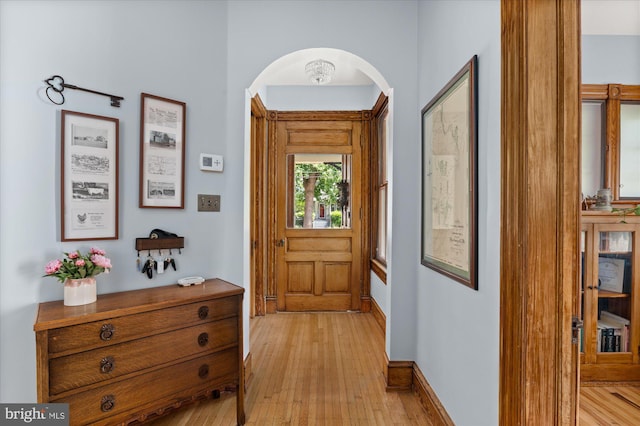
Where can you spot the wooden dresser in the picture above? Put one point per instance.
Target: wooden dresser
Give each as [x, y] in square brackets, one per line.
[135, 355]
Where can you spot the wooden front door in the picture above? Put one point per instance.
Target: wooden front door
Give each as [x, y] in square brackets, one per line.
[318, 164]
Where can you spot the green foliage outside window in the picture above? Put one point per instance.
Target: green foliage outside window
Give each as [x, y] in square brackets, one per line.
[322, 178]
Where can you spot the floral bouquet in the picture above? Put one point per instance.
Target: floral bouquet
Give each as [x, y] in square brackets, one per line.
[78, 266]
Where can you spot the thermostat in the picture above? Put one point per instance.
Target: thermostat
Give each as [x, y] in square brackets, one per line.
[211, 163]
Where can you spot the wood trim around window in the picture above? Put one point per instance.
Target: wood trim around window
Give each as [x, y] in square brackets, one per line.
[376, 265]
[612, 95]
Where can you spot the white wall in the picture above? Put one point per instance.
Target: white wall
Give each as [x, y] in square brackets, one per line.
[458, 328]
[171, 49]
[610, 59]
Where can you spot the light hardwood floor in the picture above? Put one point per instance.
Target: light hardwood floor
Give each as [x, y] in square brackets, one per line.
[312, 369]
[609, 405]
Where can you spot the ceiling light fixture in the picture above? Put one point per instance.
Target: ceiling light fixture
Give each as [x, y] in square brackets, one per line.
[320, 71]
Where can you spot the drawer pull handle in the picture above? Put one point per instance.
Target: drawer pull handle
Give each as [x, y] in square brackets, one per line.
[203, 371]
[107, 331]
[203, 312]
[203, 339]
[107, 364]
[108, 402]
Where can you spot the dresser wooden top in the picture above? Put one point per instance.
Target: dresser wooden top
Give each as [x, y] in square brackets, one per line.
[55, 314]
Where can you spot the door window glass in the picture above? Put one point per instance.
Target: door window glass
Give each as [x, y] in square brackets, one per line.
[629, 151]
[318, 191]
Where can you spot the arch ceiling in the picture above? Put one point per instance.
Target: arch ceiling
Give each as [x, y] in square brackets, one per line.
[289, 70]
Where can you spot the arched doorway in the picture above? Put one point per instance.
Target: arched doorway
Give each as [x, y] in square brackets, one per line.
[353, 77]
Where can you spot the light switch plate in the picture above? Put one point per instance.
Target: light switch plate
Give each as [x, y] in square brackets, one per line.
[208, 203]
[211, 162]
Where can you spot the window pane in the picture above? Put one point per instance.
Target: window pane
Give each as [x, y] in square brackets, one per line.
[629, 150]
[381, 245]
[382, 147]
[318, 195]
[592, 147]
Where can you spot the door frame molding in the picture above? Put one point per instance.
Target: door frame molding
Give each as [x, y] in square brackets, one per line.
[540, 207]
[265, 293]
[258, 270]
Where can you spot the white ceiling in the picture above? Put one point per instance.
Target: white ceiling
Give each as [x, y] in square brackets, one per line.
[610, 17]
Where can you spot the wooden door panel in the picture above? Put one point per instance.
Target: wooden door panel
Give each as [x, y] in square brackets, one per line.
[322, 257]
[319, 125]
[317, 268]
[307, 244]
[300, 277]
[327, 302]
[315, 137]
[336, 277]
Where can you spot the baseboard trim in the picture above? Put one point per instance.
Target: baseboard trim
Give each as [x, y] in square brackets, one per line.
[435, 411]
[406, 376]
[272, 304]
[365, 304]
[248, 373]
[379, 316]
[398, 375]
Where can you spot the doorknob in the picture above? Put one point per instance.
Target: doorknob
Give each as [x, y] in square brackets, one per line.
[280, 243]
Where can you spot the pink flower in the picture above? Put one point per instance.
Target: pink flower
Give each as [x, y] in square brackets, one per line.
[52, 267]
[78, 265]
[101, 261]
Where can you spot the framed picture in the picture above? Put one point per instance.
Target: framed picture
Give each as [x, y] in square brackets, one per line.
[449, 181]
[162, 151]
[89, 184]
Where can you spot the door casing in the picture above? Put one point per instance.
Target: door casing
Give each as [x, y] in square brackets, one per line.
[265, 291]
[540, 211]
[318, 269]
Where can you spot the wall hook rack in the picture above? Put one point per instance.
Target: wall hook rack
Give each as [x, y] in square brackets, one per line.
[160, 243]
[56, 84]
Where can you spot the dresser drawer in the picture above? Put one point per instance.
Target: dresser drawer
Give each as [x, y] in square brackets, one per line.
[174, 383]
[84, 368]
[121, 329]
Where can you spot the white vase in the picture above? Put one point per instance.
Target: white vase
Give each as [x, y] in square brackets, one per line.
[80, 291]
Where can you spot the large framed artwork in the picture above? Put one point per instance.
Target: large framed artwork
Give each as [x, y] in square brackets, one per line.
[449, 180]
[89, 183]
[162, 152]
